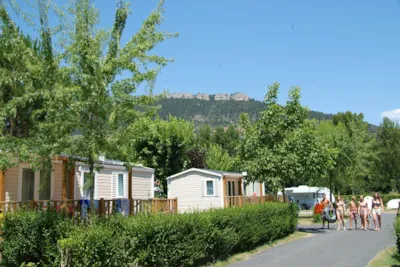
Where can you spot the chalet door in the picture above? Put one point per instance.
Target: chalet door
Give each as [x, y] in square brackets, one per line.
[233, 189]
[28, 185]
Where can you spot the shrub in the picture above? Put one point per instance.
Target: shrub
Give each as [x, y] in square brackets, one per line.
[397, 232]
[32, 237]
[177, 240]
[317, 218]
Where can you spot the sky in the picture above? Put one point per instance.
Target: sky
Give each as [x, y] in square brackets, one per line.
[345, 55]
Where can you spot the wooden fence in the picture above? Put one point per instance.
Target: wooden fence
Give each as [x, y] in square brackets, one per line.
[239, 201]
[81, 208]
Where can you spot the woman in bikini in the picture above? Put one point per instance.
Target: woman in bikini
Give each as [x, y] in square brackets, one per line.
[340, 212]
[377, 209]
[353, 210]
[363, 212]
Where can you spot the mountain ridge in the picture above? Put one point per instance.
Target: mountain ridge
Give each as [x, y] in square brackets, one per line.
[238, 96]
[216, 111]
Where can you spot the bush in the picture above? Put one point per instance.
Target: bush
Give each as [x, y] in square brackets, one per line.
[177, 240]
[397, 232]
[32, 237]
[317, 218]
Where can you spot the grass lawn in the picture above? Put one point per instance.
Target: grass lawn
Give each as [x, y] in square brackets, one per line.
[306, 220]
[386, 258]
[246, 255]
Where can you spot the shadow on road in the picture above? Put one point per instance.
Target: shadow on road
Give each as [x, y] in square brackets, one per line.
[314, 230]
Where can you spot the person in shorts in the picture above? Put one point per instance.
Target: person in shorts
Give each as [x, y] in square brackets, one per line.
[325, 202]
[353, 210]
[377, 210]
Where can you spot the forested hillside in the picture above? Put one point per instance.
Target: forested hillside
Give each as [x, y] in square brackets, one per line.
[217, 113]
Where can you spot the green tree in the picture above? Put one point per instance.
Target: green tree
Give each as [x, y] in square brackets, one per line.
[348, 134]
[282, 147]
[228, 139]
[162, 145]
[216, 158]
[204, 135]
[387, 162]
[27, 76]
[91, 98]
[338, 141]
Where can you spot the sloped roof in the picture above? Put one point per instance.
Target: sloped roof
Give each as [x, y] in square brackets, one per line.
[207, 171]
[307, 189]
[108, 162]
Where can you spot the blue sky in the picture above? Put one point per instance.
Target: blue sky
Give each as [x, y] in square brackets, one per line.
[345, 55]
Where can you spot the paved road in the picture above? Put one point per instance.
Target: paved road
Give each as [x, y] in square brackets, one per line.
[327, 248]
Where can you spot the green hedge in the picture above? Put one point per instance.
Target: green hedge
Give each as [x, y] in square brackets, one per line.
[32, 237]
[178, 240]
[50, 239]
[397, 232]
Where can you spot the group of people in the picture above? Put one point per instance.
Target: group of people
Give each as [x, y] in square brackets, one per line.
[362, 208]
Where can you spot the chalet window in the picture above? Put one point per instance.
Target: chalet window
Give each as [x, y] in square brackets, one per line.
[120, 185]
[28, 185]
[44, 185]
[210, 188]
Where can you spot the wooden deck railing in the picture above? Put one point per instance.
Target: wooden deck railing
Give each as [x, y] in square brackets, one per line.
[239, 201]
[80, 208]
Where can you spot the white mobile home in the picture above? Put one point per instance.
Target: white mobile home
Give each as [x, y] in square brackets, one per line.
[306, 197]
[201, 189]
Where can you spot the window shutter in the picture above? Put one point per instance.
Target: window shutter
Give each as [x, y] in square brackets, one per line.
[216, 188]
[203, 188]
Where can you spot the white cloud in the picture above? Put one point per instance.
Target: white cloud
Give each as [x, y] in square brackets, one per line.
[392, 114]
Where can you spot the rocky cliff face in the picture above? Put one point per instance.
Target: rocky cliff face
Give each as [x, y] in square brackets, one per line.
[180, 96]
[206, 97]
[202, 96]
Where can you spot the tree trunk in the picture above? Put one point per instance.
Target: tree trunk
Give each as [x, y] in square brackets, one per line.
[284, 195]
[330, 186]
[91, 183]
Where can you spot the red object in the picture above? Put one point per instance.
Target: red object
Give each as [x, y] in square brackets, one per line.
[255, 194]
[318, 208]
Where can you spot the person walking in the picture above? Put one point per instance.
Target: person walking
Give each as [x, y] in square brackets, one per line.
[377, 210]
[363, 211]
[369, 203]
[353, 210]
[340, 212]
[325, 203]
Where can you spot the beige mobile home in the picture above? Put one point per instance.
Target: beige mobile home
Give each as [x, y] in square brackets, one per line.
[65, 181]
[201, 189]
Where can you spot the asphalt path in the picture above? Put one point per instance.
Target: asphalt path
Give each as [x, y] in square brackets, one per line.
[328, 247]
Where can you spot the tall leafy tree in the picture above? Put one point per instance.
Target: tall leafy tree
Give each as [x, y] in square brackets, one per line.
[93, 106]
[282, 148]
[216, 158]
[387, 162]
[226, 138]
[162, 144]
[26, 77]
[355, 154]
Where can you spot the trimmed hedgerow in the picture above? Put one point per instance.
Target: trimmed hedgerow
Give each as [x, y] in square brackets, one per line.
[32, 237]
[397, 232]
[49, 239]
[177, 240]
